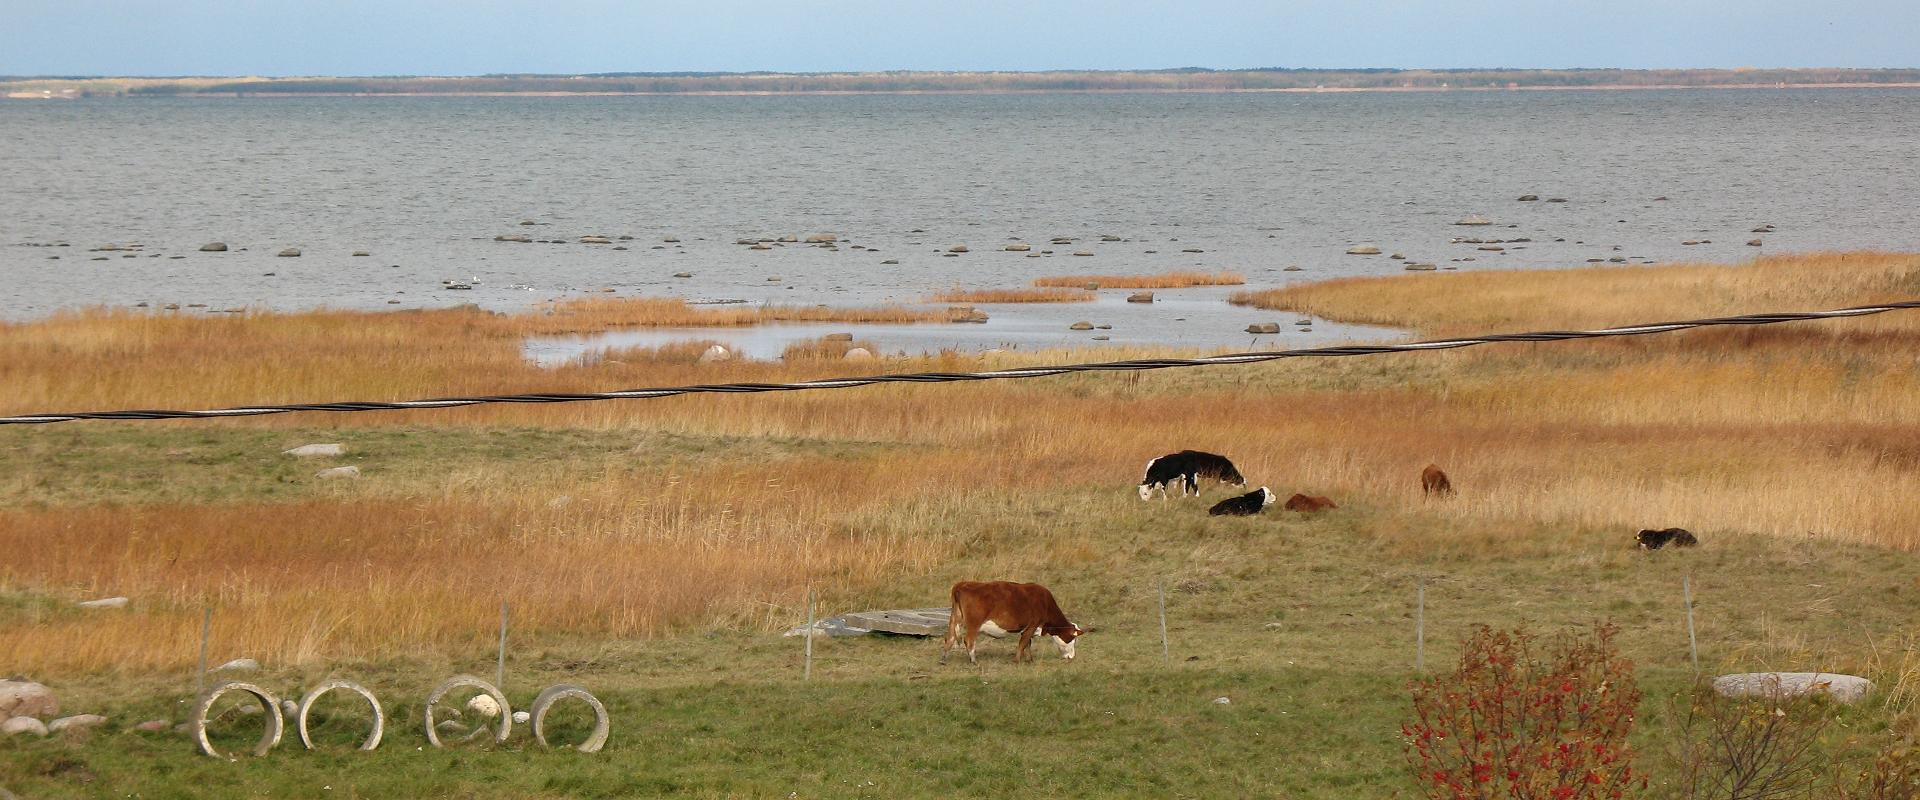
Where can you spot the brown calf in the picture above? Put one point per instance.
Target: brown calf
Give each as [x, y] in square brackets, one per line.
[1306, 503]
[1007, 607]
[1433, 481]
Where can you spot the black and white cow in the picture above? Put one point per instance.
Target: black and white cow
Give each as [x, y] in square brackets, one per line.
[1187, 467]
[1245, 505]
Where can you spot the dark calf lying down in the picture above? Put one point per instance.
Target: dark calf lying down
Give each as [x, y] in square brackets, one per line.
[1187, 467]
[1654, 540]
[1245, 505]
[1309, 503]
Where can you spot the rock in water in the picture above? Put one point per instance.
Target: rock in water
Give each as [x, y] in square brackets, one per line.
[1528, 198]
[214, 247]
[1363, 250]
[1019, 247]
[1082, 325]
[27, 699]
[1474, 219]
[514, 237]
[291, 252]
[1264, 327]
[312, 450]
[1140, 297]
[595, 240]
[1843, 688]
[958, 248]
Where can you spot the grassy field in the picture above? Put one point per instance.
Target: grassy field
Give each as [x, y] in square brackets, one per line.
[653, 549]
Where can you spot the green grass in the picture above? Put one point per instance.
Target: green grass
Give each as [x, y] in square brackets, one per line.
[1305, 623]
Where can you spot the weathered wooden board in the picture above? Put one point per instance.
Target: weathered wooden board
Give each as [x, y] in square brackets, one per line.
[910, 622]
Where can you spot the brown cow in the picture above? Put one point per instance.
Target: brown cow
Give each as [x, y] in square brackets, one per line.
[1007, 607]
[1306, 504]
[1433, 481]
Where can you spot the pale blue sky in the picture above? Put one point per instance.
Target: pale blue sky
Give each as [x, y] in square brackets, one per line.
[460, 37]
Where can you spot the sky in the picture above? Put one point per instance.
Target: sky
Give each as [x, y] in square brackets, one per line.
[470, 37]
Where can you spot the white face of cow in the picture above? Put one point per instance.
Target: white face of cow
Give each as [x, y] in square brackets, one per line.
[1066, 648]
[1266, 497]
[1146, 492]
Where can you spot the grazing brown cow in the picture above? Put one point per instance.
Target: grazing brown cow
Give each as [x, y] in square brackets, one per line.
[1433, 481]
[1006, 607]
[1306, 503]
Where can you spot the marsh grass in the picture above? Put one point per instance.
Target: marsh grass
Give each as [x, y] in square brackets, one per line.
[1163, 280]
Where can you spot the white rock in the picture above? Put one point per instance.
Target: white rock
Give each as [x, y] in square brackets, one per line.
[27, 699]
[75, 722]
[1843, 688]
[311, 450]
[104, 602]
[1474, 219]
[1222, 701]
[239, 665]
[859, 354]
[484, 705]
[339, 472]
[23, 725]
[715, 353]
[1363, 250]
[521, 717]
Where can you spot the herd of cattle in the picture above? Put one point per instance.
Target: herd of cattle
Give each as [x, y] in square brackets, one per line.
[1002, 608]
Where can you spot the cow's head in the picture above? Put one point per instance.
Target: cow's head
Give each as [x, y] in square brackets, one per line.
[1146, 491]
[1064, 636]
[1234, 477]
[1266, 497]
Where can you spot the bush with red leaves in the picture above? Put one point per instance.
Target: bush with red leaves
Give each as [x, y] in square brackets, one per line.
[1515, 724]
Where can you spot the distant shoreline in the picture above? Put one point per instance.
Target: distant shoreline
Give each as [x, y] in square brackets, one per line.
[961, 83]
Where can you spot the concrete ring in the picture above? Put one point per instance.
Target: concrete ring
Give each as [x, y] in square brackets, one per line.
[469, 682]
[276, 722]
[306, 707]
[553, 694]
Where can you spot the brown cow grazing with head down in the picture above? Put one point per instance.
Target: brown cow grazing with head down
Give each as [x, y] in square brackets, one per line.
[1005, 607]
[1309, 503]
[1433, 481]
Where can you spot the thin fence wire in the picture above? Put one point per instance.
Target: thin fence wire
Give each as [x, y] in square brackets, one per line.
[952, 377]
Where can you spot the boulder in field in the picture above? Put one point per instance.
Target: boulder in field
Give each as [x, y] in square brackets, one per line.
[104, 602]
[23, 725]
[348, 471]
[21, 698]
[314, 450]
[1777, 685]
[77, 722]
[859, 354]
[153, 726]
[715, 353]
[238, 665]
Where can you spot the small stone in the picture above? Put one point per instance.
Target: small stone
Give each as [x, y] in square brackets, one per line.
[1754, 242]
[1418, 267]
[595, 240]
[1019, 247]
[1528, 198]
[838, 337]
[958, 248]
[514, 237]
[1082, 253]
[105, 602]
[671, 240]
[312, 450]
[1193, 250]
[238, 665]
[1474, 219]
[348, 471]
[890, 262]
[214, 247]
[715, 353]
[1291, 269]
[361, 254]
[1264, 327]
[1101, 338]
[683, 274]
[1103, 327]
[760, 246]
[1556, 199]
[528, 222]
[1222, 701]
[859, 354]
[1397, 257]
[521, 717]
[1363, 250]
[484, 705]
[23, 725]
[1082, 325]
[291, 252]
[822, 238]
[1140, 297]
[153, 726]
[77, 722]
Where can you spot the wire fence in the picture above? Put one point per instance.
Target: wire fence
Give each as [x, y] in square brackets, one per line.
[953, 377]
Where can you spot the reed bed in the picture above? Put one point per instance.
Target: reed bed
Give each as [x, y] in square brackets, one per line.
[1163, 280]
[1799, 430]
[1052, 295]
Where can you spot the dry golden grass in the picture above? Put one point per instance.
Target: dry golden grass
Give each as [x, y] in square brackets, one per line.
[1164, 280]
[1799, 430]
[1013, 296]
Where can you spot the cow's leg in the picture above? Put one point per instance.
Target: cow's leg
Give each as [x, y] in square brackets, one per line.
[953, 635]
[1026, 639]
[973, 642]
